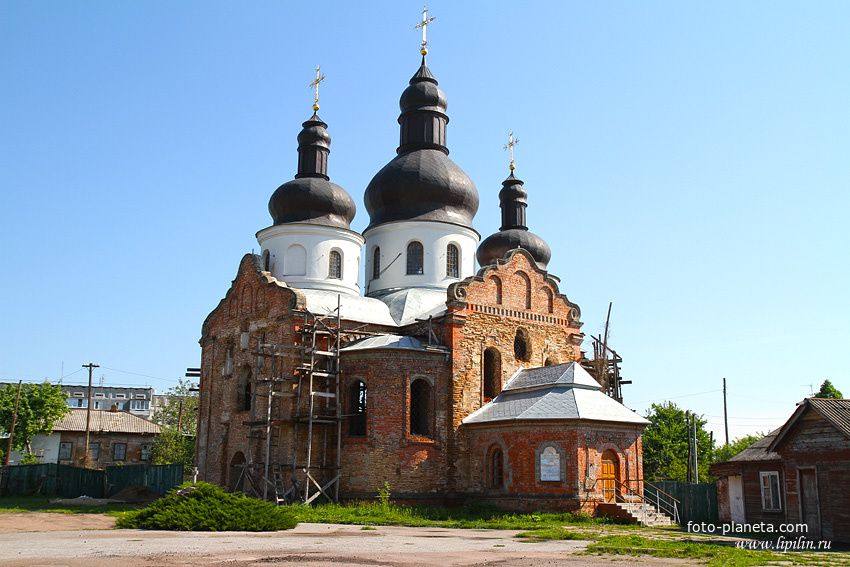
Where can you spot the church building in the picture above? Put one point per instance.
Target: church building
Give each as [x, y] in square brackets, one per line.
[339, 363]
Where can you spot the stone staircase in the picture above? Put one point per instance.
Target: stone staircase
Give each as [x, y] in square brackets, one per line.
[645, 514]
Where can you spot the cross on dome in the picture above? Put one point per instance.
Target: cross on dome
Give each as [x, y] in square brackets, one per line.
[424, 25]
[316, 84]
[510, 146]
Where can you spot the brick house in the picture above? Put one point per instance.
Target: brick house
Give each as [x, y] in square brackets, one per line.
[799, 473]
[311, 386]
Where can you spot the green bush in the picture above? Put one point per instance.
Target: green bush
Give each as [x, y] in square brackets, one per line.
[207, 507]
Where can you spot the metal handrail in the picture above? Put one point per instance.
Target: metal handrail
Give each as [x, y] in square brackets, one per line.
[661, 491]
[660, 505]
[671, 505]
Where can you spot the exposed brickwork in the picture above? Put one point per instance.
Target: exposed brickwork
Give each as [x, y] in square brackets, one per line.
[486, 311]
[106, 447]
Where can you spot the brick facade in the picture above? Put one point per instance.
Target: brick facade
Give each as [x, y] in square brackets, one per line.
[510, 315]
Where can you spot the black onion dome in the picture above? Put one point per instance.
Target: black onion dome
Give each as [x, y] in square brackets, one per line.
[513, 232]
[311, 197]
[422, 182]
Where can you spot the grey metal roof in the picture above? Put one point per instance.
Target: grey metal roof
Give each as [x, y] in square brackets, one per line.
[389, 341]
[103, 421]
[570, 373]
[759, 451]
[353, 307]
[408, 305]
[551, 393]
[837, 412]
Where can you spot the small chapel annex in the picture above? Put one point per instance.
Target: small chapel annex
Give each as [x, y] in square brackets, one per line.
[441, 380]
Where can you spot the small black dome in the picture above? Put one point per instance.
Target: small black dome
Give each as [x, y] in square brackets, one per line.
[312, 200]
[311, 197]
[421, 182]
[495, 246]
[513, 232]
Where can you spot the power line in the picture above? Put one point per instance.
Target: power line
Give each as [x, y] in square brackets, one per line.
[676, 397]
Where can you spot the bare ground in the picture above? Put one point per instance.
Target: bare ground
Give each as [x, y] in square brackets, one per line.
[87, 540]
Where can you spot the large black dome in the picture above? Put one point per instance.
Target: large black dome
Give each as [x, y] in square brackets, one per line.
[422, 183]
[311, 197]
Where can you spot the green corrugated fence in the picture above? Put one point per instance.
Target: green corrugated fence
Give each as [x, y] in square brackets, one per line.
[70, 482]
[697, 502]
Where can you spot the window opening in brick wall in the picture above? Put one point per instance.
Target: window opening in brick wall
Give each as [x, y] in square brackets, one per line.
[119, 451]
[492, 373]
[65, 451]
[550, 362]
[526, 285]
[415, 259]
[357, 409]
[243, 389]
[376, 263]
[770, 491]
[146, 453]
[420, 406]
[498, 285]
[550, 300]
[452, 261]
[94, 451]
[496, 468]
[522, 345]
[335, 267]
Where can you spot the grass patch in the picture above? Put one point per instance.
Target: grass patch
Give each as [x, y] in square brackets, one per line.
[206, 507]
[717, 555]
[18, 504]
[558, 532]
[472, 515]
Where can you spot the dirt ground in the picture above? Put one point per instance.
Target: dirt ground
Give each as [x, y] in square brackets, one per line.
[88, 540]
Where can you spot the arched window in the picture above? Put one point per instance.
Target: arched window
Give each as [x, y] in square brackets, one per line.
[498, 285]
[550, 300]
[522, 345]
[376, 263]
[335, 265]
[526, 286]
[243, 389]
[452, 261]
[266, 260]
[550, 362]
[420, 408]
[415, 258]
[492, 373]
[496, 468]
[357, 409]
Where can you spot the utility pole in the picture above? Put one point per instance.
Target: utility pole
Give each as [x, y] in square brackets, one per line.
[180, 415]
[696, 453]
[725, 416]
[14, 419]
[91, 366]
[690, 452]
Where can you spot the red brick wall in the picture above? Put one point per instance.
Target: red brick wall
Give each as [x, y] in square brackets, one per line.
[107, 441]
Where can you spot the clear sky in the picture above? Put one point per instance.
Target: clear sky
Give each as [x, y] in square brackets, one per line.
[688, 161]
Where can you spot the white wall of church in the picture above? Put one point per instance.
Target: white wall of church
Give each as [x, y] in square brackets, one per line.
[300, 255]
[393, 240]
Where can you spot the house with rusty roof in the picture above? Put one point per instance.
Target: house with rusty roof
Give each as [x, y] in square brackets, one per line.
[797, 474]
[114, 437]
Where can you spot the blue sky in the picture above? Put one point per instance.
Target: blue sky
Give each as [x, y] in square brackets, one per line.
[687, 161]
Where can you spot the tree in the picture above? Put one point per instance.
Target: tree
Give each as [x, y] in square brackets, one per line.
[40, 407]
[665, 444]
[170, 413]
[179, 420]
[726, 452]
[827, 390]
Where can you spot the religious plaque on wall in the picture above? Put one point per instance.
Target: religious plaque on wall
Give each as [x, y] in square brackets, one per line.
[550, 464]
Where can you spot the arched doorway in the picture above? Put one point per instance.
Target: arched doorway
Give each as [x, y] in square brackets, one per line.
[610, 476]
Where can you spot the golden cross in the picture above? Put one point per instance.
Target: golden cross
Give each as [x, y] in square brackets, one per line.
[424, 25]
[316, 84]
[510, 145]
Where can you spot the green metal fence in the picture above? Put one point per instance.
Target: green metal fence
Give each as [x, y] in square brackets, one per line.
[697, 502]
[70, 482]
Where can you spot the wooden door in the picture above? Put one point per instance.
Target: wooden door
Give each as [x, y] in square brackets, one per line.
[809, 504]
[609, 476]
[736, 499]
